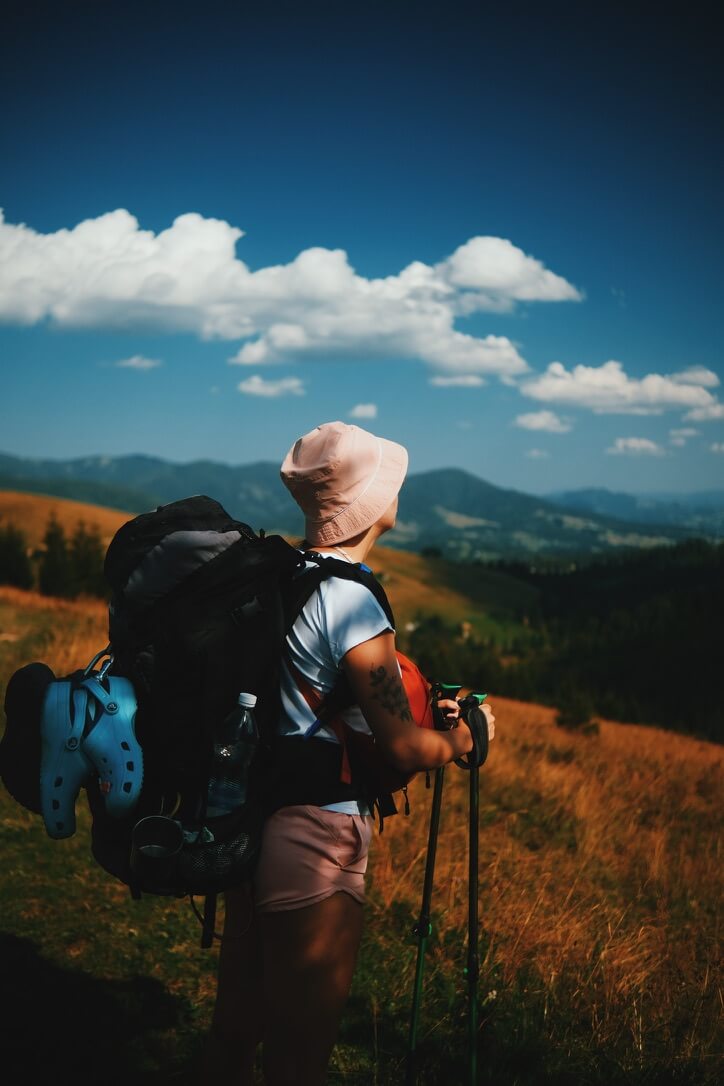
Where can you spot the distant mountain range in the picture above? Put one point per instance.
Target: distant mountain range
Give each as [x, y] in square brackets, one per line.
[451, 510]
[701, 512]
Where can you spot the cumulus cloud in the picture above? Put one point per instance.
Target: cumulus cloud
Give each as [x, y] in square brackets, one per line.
[495, 273]
[543, 420]
[681, 435]
[466, 380]
[364, 411]
[707, 413]
[138, 362]
[697, 375]
[717, 447]
[259, 386]
[537, 454]
[635, 446]
[109, 273]
[607, 389]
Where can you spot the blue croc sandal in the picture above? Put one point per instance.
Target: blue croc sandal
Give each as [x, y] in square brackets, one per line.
[88, 729]
[64, 768]
[111, 743]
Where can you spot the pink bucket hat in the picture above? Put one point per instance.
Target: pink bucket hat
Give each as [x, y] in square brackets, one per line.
[343, 478]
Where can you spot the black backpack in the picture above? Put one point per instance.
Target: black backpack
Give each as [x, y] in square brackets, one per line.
[196, 616]
[199, 611]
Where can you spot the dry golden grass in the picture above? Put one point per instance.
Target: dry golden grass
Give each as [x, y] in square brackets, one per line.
[600, 875]
[65, 634]
[30, 513]
[600, 866]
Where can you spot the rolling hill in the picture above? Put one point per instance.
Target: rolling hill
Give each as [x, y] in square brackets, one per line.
[31, 512]
[415, 583]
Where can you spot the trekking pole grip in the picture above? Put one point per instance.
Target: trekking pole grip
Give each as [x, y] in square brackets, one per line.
[476, 720]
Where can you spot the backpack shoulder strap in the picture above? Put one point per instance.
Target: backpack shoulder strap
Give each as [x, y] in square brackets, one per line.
[308, 582]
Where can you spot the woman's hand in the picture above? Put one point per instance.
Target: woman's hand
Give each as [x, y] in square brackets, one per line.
[451, 714]
[450, 711]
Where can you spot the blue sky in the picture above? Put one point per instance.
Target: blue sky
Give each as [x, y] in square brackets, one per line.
[494, 237]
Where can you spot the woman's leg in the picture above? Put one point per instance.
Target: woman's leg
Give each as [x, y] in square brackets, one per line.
[309, 960]
[237, 1024]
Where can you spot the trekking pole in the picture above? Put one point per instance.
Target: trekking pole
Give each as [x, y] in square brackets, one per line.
[423, 928]
[477, 722]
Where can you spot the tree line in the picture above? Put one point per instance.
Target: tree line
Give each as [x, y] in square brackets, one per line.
[64, 565]
[635, 637]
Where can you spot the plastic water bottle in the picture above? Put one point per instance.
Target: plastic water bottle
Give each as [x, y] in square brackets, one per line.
[235, 744]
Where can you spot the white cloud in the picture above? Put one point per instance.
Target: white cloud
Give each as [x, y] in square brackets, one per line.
[364, 411]
[697, 375]
[681, 435]
[138, 362]
[109, 273]
[538, 454]
[635, 446]
[259, 386]
[717, 447]
[607, 389]
[707, 413]
[498, 273]
[543, 420]
[467, 380]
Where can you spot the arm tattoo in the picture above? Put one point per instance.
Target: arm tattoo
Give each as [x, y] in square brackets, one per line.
[388, 690]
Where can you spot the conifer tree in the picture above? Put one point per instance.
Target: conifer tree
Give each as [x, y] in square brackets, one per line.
[15, 567]
[54, 573]
[85, 557]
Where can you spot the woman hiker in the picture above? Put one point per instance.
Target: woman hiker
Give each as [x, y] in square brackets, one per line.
[291, 940]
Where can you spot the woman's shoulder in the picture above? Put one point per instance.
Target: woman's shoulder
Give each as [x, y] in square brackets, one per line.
[345, 601]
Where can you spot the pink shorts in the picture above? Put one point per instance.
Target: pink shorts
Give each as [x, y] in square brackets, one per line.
[308, 854]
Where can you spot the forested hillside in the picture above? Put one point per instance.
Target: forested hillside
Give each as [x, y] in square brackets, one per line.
[636, 637]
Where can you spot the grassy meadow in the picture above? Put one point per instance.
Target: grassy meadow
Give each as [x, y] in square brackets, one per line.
[600, 892]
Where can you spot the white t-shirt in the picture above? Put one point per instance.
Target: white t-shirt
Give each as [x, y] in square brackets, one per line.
[338, 616]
